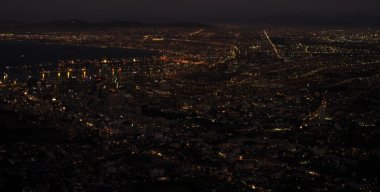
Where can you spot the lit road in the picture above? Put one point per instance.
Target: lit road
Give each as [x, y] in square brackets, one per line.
[273, 45]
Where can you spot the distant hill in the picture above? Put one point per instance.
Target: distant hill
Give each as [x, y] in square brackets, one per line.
[347, 19]
[59, 25]
[355, 19]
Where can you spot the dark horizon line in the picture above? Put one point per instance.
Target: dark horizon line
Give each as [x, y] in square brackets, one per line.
[281, 20]
[254, 18]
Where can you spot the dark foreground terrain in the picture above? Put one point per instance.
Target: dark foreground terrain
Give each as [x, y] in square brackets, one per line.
[34, 156]
[41, 154]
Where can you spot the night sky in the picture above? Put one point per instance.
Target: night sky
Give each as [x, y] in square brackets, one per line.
[175, 10]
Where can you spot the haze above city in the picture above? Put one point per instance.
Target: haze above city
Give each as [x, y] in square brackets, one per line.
[194, 10]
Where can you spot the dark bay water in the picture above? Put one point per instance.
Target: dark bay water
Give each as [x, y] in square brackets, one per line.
[17, 52]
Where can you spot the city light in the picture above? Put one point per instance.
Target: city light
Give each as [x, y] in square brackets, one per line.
[227, 107]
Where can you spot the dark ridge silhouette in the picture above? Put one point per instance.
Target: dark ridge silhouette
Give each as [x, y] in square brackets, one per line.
[304, 19]
[74, 24]
[353, 19]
